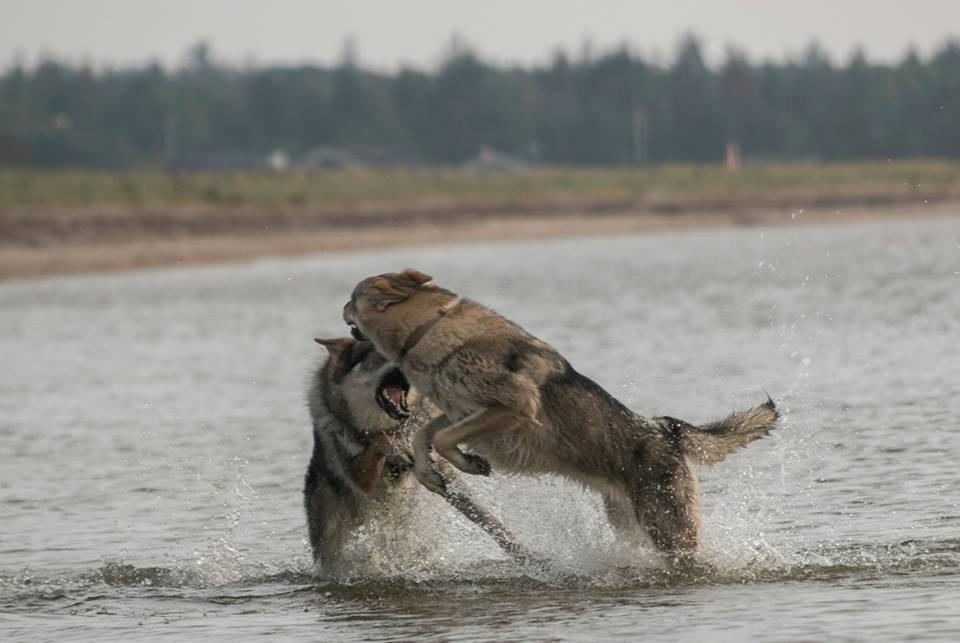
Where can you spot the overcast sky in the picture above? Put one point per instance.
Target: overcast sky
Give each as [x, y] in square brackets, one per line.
[392, 33]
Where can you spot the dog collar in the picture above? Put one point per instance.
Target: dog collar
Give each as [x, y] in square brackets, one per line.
[423, 328]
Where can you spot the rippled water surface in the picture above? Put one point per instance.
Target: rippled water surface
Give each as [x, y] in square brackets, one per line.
[154, 438]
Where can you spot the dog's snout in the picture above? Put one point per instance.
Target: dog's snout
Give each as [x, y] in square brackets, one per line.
[349, 311]
[356, 334]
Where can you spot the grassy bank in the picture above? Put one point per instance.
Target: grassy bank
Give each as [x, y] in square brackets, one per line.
[39, 190]
[61, 222]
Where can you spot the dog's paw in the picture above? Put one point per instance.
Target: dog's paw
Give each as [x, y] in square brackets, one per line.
[473, 464]
[431, 479]
[398, 463]
[396, 468]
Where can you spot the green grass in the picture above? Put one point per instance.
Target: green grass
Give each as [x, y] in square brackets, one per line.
[35, 189]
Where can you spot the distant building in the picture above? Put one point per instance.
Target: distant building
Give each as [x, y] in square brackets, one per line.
[230, 160]
[278, 161]
[356, 156]
[489, 159]
[732, 156]
[329, 157]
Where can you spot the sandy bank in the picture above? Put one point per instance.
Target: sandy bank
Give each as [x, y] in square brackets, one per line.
[70, 242]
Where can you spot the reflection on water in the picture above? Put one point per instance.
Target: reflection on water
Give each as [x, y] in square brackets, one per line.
[155, 439]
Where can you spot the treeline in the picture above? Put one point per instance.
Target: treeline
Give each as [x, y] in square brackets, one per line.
[615, 108]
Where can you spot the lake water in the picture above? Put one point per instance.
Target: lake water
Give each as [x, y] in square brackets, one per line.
[154, 438]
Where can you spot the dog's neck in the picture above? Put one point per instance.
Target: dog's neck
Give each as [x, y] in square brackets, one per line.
[414, 338]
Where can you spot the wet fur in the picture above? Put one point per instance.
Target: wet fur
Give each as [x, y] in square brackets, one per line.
[362, 458]
[522, 408]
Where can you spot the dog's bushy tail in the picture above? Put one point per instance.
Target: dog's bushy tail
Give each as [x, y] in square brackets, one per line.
[715, 441]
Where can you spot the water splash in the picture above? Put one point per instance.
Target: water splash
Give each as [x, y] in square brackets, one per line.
[854, 562]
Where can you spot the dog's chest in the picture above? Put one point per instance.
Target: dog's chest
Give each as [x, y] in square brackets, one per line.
[448, 388]
[453, 398]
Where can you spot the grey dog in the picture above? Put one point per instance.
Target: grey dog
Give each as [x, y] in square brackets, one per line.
[364, 415]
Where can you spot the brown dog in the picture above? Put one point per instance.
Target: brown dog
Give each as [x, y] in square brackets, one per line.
[516, 402]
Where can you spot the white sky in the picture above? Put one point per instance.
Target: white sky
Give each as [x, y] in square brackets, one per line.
[391, 33]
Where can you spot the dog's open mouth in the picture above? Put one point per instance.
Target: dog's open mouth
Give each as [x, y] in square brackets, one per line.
[392, 394]
[356, 334]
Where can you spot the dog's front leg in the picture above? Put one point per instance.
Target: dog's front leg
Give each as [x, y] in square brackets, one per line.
[422, 461]
[475, 425]
[366, 468]
[462, 500]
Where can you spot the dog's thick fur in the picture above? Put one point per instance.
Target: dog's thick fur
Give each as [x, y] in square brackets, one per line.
[362, 456]
[517, 403]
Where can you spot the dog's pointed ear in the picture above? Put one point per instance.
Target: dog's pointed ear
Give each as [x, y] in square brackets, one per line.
[416, 276]
[386, 294]
[334, 346]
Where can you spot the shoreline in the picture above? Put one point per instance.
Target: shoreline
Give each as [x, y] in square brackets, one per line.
[85, 252]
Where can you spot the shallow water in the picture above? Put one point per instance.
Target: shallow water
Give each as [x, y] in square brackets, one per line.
[155, 437]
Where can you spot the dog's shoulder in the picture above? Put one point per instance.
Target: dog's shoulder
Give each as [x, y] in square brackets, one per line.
[487, 341]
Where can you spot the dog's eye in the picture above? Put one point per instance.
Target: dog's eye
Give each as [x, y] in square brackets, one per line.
[358, 353]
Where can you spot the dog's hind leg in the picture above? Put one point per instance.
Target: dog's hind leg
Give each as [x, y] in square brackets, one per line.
[622, 518]
[665, 498]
